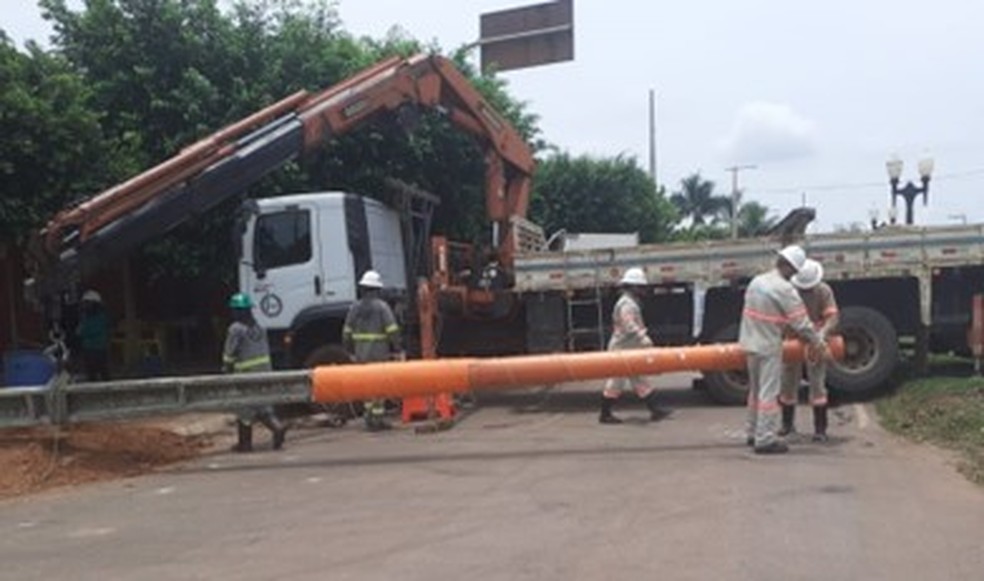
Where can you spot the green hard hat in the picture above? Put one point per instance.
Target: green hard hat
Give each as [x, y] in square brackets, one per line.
[240, 301]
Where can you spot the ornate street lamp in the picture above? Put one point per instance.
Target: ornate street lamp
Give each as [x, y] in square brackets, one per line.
[910, 191]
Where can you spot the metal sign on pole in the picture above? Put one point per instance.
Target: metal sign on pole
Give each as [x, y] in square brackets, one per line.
[527, 36]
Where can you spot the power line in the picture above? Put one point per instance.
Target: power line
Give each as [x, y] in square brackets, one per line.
[865, 185]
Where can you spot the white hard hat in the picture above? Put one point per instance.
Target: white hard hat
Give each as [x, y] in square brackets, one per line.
[794, 255]
[371, 279]
[809, 276]
[91, 296]
[634, 276]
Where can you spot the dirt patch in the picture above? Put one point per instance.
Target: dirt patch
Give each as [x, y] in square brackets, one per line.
[35, 459]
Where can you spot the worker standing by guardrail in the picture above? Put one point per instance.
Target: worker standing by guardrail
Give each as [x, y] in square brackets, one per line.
[93, 334]
[371, 334]
[821, 308]
[247, 351]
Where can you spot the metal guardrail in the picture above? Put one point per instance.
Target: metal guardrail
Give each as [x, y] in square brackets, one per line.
[61, 402]
[24, 406]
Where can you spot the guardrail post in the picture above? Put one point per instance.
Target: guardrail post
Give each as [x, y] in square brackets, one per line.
[57, 408]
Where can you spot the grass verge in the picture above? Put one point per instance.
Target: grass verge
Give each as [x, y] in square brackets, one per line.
[946, 411]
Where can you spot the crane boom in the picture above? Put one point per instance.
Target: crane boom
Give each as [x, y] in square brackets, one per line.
[81, 238]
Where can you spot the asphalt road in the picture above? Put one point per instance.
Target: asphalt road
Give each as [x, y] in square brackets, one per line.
[525, 487]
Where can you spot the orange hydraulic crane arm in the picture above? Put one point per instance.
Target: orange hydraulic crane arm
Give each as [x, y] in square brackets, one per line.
[433, 81]
[115, 221]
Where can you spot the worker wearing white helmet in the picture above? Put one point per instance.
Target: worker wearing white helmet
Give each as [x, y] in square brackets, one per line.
[821, 308]
[772, 306]
[629, 332]
[371, 334]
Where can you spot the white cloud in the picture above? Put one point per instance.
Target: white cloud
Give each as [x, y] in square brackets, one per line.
[765, 131]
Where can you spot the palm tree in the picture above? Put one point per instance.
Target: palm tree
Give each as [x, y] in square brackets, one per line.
[696, 200]
[754, 220]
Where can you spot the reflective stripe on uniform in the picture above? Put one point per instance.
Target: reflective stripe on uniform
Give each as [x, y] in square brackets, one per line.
[760, 316]
[775, 319]
[369, 337]
[394, 328]
[767, 406]
[251, 363]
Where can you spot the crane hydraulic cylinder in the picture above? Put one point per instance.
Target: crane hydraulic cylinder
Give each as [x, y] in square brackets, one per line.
[340, 383]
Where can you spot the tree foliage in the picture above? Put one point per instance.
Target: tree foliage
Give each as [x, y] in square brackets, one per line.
[585, 194]
[50, 139]
[696, 201]
[707, 216]
[754, 219]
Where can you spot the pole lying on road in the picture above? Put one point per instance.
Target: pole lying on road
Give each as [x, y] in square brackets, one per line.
[62, 402]
[430, 377]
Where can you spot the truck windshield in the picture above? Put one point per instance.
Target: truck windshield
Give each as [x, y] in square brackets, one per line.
[282, 239]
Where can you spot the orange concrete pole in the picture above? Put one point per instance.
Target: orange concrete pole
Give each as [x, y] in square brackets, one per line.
[339, 383]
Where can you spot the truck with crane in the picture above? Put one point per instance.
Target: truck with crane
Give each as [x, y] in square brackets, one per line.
[301, 254]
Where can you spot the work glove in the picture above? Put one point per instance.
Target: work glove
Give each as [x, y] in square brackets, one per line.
[817, 353]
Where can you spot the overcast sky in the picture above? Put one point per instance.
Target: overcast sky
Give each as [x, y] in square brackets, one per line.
[817, 95]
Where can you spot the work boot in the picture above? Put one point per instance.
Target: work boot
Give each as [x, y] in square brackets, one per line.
[375, 421]
[788, 419]
[656, 413]
[776, 447]
[377, 424]
[277, 429]
[607, 417]
[820, 423]
[245, 440]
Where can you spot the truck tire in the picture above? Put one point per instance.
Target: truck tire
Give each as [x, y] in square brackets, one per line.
[327, 355]
[871, 352]
[727, 387]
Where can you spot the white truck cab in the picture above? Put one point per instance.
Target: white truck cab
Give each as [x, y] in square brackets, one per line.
[301, 258]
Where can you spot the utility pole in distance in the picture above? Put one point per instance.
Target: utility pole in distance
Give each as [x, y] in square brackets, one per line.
[652, 136]
[734, 196]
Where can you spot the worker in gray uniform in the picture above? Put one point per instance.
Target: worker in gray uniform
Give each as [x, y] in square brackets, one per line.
[371, 334]
[629, 332]
[247, 351]
[821, 308]
[772, 306]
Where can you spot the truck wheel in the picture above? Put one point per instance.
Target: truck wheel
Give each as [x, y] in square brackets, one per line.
[727, 387]
[871, 352]
[327, 355]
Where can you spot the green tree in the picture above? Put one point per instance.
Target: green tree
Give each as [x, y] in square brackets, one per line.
[51, 145]
[585, 194]
[754, 219]
[696, 201]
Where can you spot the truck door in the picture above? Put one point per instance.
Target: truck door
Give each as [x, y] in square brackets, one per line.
[286, 272]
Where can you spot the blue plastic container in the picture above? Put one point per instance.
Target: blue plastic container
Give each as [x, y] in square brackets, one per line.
[21, 368]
